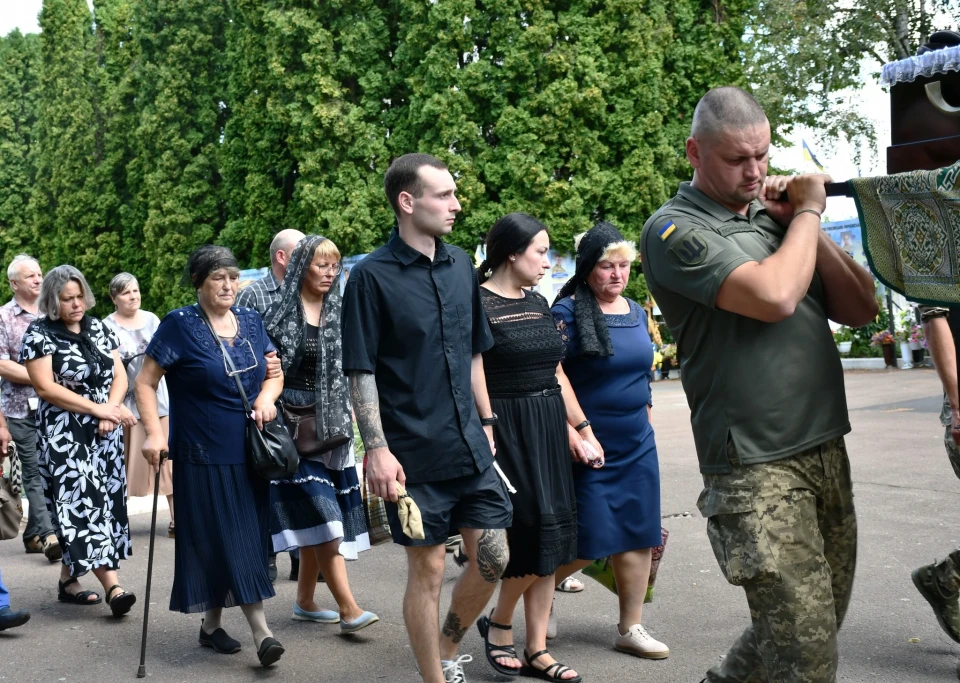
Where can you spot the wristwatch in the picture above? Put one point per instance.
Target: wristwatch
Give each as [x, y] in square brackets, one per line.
[489, 421]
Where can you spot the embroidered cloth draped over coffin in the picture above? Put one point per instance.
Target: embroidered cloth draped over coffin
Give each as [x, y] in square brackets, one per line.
[911, 232]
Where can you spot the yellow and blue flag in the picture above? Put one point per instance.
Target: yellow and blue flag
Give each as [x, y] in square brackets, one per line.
[809, 156]
[666, 230]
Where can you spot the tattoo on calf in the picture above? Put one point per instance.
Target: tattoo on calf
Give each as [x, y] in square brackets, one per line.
[453, 629]
[366, 406]
[492, 554]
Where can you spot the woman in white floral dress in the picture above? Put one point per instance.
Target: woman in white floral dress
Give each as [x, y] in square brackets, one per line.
[73, 363]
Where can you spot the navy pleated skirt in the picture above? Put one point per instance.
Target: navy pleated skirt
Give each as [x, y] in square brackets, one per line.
[223, 518]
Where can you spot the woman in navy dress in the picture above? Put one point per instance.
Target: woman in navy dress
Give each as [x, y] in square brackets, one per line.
[222, 508]
[608, 359]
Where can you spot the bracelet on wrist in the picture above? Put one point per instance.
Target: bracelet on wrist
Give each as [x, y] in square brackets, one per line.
[583, 425]
[813, 211]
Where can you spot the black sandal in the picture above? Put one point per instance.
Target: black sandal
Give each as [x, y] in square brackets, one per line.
[557, 668]
[460, 557]
[80, 598]
[483, 625]
[121, 604]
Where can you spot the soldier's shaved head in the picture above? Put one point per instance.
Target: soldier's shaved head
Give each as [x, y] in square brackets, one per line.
[725, 109]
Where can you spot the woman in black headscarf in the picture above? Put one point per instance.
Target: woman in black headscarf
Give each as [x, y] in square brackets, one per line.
[319, 510]
[222, 510]
[73, 363]
[608, 358]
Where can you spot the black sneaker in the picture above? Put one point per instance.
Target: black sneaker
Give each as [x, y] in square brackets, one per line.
[219, 641]
[946, 606]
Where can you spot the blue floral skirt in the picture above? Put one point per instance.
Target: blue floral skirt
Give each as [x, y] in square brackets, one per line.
[318, 505]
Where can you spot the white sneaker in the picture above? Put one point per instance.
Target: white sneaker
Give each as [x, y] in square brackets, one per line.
[638, 642]
[552, 622]
[453, 670]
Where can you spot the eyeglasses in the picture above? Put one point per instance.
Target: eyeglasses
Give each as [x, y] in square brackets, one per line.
[235, 371]
[333, 268]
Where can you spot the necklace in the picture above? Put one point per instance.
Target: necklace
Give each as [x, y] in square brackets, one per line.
[494, 281]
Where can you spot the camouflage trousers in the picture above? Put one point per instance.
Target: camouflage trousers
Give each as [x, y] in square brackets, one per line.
[948, 571]
[786, 531]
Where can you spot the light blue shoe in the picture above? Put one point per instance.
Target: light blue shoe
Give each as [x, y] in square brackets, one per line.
[361, 622]
[324, 616]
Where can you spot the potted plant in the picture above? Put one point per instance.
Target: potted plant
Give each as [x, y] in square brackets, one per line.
[843, 336]
[885, 341]
[669, 360]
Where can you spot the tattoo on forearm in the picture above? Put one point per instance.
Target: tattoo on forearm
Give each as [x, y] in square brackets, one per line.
[366, 406]
[492, 554]
[453, 628]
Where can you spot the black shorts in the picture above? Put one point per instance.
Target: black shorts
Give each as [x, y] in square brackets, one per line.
[477, 501]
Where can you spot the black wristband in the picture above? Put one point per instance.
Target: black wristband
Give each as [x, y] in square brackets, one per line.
[583, 425]
[489, 421]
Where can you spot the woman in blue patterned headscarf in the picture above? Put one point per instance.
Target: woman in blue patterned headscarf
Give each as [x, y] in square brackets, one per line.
[320, 509]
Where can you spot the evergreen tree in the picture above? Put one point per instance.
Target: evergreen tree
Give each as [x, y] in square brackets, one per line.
[68, 203]
[118, 60]
[305, 146]
[19, 85]
[181, 110]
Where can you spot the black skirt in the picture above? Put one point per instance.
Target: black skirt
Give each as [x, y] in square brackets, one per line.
[533, 451]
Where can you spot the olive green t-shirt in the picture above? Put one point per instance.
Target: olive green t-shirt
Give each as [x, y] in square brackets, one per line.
[775, 389]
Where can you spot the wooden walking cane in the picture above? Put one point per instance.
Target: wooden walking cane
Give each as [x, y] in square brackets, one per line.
[142, 671]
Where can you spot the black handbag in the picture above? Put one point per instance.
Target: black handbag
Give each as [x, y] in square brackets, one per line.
[271, 453]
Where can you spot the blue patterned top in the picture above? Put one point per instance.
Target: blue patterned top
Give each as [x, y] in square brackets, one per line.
[207, 421]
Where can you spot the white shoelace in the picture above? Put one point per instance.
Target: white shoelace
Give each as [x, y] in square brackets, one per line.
[640, 632]
[453, 672]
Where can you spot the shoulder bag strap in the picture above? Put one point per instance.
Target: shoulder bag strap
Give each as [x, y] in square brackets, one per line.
[229, 360]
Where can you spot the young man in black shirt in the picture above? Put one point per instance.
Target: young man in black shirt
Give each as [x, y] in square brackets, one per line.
[413, 332]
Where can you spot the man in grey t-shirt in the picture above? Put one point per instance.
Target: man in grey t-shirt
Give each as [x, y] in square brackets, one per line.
[747, 283]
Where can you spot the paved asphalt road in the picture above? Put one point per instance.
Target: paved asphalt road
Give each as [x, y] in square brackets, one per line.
[907, 504]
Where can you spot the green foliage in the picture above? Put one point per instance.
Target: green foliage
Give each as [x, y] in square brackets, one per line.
[133, 134]
[861, 336]
[802, 53]
[19, 86]
[181, 91]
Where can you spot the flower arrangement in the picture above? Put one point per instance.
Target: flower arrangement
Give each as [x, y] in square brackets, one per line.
[916, 336]
[669, 350]
[881, 338]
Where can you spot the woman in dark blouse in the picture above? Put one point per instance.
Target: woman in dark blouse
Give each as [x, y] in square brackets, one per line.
[532, 402]
[222, 509]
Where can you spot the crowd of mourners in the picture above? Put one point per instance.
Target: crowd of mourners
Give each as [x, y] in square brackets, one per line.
[445, 369]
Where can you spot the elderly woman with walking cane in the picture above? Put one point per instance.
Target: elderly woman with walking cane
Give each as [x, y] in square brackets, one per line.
[222, 509]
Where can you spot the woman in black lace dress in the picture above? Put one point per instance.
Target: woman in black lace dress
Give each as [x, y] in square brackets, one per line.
[533, 403]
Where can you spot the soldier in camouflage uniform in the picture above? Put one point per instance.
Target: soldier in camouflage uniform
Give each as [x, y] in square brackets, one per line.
[939, 582]
[746, 283]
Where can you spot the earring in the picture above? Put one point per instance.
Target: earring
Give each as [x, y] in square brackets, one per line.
[513, 258]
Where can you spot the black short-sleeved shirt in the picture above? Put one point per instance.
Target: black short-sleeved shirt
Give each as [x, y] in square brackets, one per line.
[775, 389]
[416, 326]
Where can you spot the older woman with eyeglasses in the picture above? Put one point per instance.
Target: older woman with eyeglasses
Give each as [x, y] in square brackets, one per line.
[319, 509]
[222, 509]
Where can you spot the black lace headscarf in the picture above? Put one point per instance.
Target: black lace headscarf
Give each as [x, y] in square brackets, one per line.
[591, 324]
[286, 321]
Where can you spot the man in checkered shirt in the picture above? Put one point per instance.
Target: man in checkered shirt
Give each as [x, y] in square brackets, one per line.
[260, 294]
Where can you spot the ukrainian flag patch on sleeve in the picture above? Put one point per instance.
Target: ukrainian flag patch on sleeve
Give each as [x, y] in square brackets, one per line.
[666, 230]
